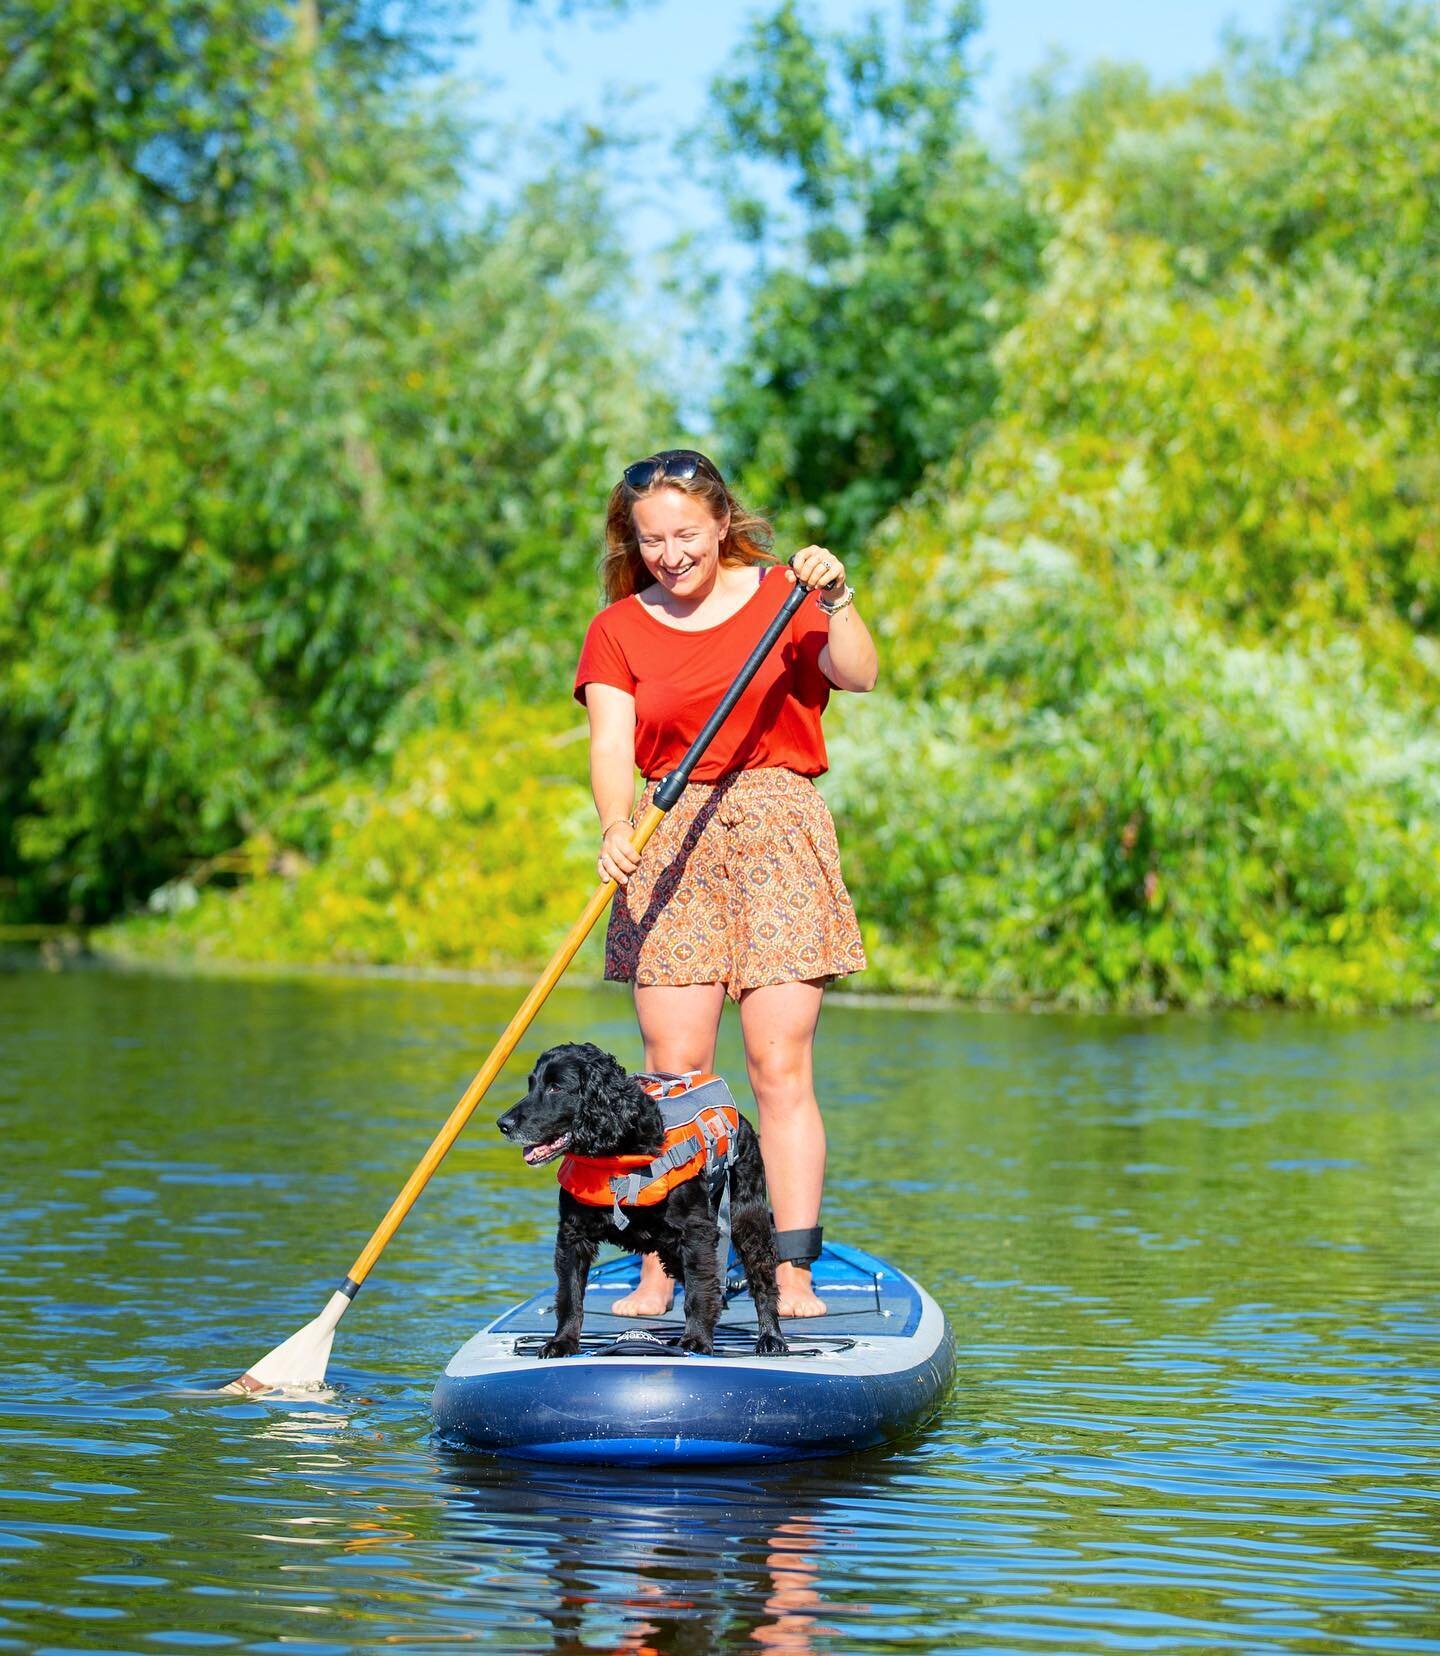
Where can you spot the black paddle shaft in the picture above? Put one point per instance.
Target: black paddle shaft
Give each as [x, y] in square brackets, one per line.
[669, 791]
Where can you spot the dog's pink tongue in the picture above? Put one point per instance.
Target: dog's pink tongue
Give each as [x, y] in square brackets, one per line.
[539, 1152]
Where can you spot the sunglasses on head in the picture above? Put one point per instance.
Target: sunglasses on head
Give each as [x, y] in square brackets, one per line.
[680, 464]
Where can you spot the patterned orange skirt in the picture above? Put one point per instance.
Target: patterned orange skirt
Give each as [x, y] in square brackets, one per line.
[740, 885]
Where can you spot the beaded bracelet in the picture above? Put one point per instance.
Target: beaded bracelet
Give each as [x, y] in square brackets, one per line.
[846, 598]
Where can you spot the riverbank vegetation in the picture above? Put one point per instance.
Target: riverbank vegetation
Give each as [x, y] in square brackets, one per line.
[1127, 435]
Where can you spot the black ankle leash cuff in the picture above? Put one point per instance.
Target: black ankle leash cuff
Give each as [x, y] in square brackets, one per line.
[799, 1247]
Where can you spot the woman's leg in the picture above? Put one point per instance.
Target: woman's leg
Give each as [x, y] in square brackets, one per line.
[678, 1024]
[779, 1022]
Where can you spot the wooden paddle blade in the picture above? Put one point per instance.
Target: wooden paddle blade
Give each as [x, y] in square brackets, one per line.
[299, 1362]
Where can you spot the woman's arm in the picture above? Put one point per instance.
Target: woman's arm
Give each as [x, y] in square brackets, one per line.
[849, 659]
[612, 776]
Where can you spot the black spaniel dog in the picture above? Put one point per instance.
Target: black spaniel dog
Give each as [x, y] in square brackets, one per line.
[581, 1102]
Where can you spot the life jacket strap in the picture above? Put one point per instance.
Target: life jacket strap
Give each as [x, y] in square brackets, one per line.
[665, 1084]
[627, 1186]
[682, 1151]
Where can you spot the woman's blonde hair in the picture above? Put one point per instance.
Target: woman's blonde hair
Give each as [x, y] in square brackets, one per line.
[747, 541]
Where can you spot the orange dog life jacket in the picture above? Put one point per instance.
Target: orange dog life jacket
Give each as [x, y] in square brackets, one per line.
[700, 1124]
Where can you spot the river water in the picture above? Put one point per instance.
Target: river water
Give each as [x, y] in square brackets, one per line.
[1190, 1263]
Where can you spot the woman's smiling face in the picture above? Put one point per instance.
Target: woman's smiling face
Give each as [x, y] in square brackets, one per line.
[679, 541]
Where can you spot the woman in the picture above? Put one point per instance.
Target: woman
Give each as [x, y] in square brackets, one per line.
[739, 890]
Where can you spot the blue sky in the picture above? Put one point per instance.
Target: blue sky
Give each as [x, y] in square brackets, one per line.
[673, 47]
[648, 73]
[657, 62]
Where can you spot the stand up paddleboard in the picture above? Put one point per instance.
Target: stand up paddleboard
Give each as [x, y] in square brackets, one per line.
[878, 1364]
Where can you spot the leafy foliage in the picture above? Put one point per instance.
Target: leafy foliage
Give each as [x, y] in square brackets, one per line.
[279, 432]
[466, 855]
[867, 357]
[1297, 191]
[1166, 639]
[301, 491]
[1120, 806]
[1275, 491]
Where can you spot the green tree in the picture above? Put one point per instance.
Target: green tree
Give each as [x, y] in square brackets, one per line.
[1300, 175]
[1164, 641]
[866, 356]
[285, 440]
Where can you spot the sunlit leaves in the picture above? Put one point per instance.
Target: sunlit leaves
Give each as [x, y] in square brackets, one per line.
[1120, 807]
[1166, 639]
[467, 853]
[867, 357]
[282, 429]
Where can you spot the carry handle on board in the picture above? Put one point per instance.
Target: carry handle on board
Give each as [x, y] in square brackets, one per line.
[301, 1360]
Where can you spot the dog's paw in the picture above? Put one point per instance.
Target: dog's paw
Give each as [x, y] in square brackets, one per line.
[771, 1345]
[700, 1344]
[559, 1348]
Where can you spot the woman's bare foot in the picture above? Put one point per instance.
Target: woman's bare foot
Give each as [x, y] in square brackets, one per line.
[797, 1297]
[652, 1294]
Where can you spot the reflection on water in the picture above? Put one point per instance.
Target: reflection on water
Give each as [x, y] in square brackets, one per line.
[636, 1563]
[1190, 1263]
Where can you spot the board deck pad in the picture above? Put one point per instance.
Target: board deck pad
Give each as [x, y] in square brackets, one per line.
[874, 1365]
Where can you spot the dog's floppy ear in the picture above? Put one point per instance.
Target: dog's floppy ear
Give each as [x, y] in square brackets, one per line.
[615, 1110]
[605, 1088]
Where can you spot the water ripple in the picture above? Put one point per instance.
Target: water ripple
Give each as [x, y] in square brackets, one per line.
[1189, 1264]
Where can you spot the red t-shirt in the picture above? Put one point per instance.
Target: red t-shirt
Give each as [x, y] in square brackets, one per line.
[677, 679]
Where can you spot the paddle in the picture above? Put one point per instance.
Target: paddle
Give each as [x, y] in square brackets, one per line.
[300, 1361]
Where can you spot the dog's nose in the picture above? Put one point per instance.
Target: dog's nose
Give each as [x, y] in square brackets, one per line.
[506, 1123]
